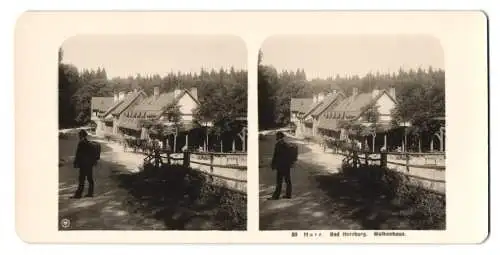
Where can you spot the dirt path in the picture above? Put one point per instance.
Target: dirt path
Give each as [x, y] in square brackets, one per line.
[324, 198]
[310, 207]
[109, 209]
[127, 198]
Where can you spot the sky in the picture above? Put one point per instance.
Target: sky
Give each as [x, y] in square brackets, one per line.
[324, 56]
[125, 55]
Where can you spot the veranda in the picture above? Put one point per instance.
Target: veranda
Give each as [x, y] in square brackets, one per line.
[397, 139]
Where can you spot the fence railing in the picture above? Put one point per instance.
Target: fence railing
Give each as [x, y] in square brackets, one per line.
[224, 169]
[424, 169]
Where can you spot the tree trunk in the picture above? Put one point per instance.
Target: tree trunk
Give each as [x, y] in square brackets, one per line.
[175, 143]
[373, 142]
[440, 138]
[206, 143]
[403, 143]
[244, 142]
[441, 147]
[242, 137]
[385, 141]
[187, 141]
[420, 144]
[406, 144]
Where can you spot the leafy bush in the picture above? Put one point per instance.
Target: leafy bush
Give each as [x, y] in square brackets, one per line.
[427, 208]
[232, 205]
[177, 190]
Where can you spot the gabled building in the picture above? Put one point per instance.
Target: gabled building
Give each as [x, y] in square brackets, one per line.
[108, 121]
[306, 122]
[354, 107]
[309, 121]
[154, 109]
[98, 106]
[298, 107]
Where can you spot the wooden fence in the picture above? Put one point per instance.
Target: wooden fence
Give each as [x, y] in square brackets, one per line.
[223, 169]
[424, 169]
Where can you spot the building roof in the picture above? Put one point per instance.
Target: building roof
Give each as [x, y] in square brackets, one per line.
[327, 102]
[353, 106]
[101, 104]
[153, 106]
[348, 108]
[122, 105]
[312, 108]
[300, 104]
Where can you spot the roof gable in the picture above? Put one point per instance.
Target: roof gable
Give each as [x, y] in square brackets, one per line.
[375, 100]
[187, 92]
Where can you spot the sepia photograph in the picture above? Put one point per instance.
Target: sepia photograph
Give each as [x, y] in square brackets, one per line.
[335, 127]
[152, 132]
[352, 133]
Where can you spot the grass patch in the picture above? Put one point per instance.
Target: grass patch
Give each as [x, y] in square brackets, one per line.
[184, 199]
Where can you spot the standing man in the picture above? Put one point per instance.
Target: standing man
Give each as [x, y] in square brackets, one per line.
[282, 161]
[85, 159]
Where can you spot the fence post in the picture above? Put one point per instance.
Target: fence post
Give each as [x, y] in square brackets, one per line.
[383, 159]
[366, 158]
[168, 158]
[186, 159]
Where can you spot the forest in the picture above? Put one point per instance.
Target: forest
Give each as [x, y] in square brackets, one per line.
[420, 94]
[222, 93]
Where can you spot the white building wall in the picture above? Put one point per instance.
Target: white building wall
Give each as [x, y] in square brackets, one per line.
[385, 106]
[186, 107]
